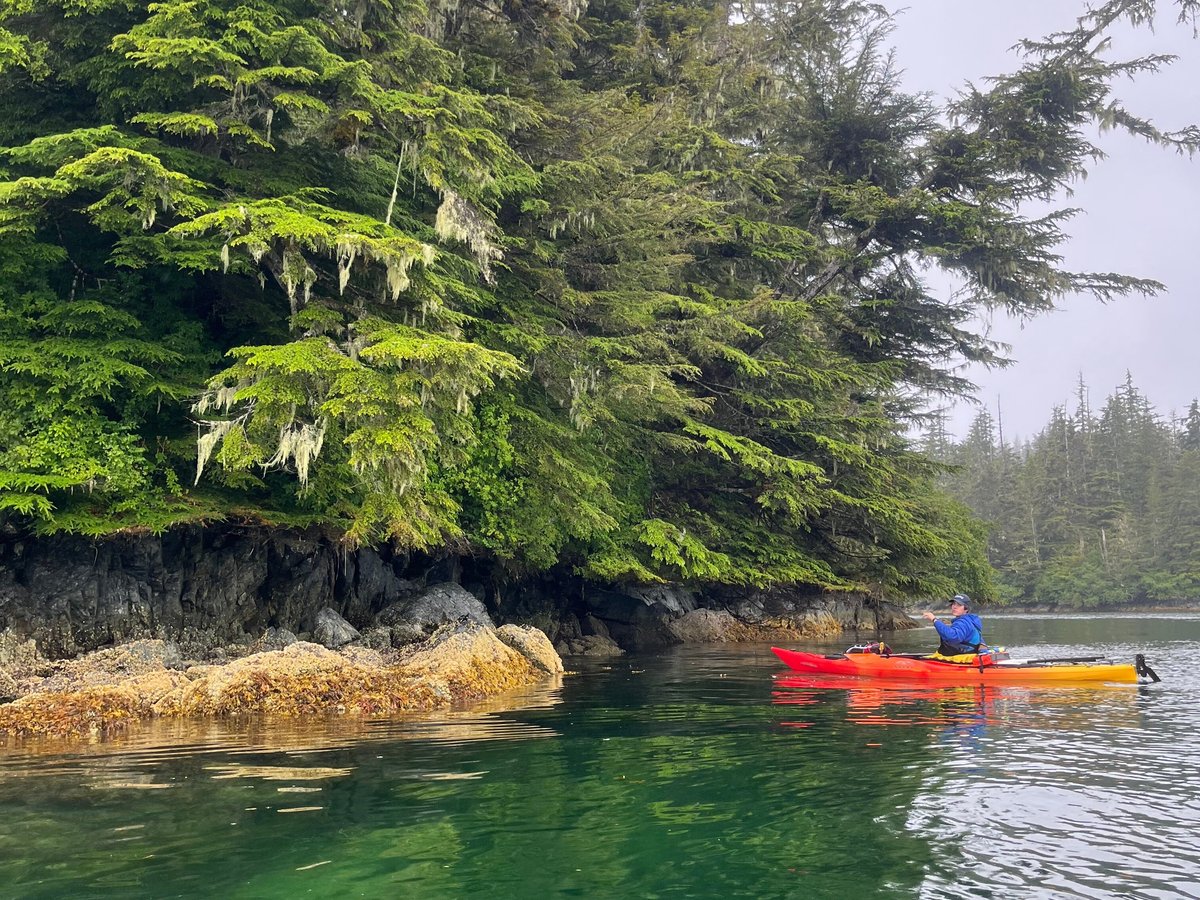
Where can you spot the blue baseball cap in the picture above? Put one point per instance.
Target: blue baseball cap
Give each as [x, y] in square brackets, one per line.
[963, 599]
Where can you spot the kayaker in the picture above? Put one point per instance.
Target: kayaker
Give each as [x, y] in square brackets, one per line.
[964, 634]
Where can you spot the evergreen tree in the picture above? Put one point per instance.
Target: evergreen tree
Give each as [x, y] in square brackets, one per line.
[1190, 439]
[1083, 521]
[634, 289]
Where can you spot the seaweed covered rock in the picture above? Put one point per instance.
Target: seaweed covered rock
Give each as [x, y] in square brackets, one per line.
[273, 639]
[114, 666]
[90, 711]
[17, 653]
[472, 660]
[302, 678]
[8, 687]
[533, 644]
[104, 691]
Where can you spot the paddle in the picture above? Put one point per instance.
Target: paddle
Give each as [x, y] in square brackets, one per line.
[1139, 666]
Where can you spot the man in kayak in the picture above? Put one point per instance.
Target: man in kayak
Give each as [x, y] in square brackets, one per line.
[964, 634]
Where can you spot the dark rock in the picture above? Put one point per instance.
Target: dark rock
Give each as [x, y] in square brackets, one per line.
[378, 639]
[332, 631]
[569, 627]
[376, 583]
[404, 633]
[634, 622]
[392, 615]
[589, 645]
[671, 599]
[593, 626]
[222, 585]
[300, 578]
[442, 603]
[701, 626]
[274, 639]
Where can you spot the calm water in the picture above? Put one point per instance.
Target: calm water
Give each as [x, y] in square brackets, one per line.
[702, 772]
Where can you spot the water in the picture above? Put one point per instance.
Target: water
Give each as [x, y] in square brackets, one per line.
[701, 772]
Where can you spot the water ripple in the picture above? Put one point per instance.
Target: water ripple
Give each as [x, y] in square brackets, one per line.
[695, 772]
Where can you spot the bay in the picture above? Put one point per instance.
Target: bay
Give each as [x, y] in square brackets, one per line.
[704, 771]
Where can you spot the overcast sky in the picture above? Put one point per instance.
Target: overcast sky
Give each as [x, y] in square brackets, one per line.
[1142, 217]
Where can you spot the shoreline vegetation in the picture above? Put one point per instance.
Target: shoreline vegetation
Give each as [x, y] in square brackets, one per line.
[647, 296]
[1192, 606]
[1100, 509]
[614, 322]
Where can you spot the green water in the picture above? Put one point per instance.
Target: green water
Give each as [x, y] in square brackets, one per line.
[699, 772]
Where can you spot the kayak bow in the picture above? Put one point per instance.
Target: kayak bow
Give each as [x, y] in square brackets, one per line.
[982, 669]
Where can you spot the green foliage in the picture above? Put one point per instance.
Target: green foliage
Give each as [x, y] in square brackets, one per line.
[635, 291]
[1096, 510]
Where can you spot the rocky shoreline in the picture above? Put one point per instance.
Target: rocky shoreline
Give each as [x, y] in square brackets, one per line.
[102, 692]
[225, 621]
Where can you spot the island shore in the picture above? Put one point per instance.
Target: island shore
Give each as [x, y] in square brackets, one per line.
[100, 693]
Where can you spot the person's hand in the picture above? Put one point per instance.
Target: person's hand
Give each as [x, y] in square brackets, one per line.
[928, 616]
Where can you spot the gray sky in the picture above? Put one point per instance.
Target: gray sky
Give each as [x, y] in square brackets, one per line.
[1141, 217]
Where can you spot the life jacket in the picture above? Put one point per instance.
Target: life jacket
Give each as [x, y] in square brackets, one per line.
[955, 648]
[973, 641]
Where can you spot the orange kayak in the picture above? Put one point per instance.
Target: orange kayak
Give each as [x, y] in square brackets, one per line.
[911, 667]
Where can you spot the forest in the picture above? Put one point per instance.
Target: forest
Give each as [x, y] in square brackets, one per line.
[636, 290]
[1098, 509]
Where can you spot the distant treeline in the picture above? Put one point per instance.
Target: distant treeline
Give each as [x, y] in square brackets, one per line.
[1097, 509]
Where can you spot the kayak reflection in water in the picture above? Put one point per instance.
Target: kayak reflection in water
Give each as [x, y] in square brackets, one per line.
[964, 634]
[957, 715]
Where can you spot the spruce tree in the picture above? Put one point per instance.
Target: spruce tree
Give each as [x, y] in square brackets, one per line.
[634, 290]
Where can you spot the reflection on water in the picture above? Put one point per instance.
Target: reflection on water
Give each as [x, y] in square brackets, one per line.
[697, 772]
[965, 708]
[1081, 791]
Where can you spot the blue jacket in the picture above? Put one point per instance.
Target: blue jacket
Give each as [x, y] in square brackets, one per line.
[965, 629]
